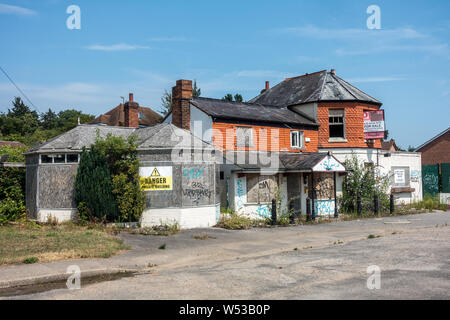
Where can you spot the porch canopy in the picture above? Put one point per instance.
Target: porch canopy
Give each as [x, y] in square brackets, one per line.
[278, 162]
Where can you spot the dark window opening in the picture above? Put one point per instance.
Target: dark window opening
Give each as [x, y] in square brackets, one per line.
[222, 175]
[59, 158]
[46, 159]
[336, 124]
[72, 158]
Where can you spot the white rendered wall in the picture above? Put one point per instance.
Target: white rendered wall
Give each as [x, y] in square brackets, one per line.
[187, 218]
[61, 215]
[413, 160]
[201, 124]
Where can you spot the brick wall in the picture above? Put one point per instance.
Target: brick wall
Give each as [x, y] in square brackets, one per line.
[181, 95]
[131, 114]
[260, 134]
[354, 125]
[437, 151]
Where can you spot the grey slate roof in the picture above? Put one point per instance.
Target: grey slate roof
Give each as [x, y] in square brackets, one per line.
[314, 87]
[164, 135]
[286, 161]
[221, 109]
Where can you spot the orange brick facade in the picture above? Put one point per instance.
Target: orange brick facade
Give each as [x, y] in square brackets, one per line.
[265, 138]
[354, 125]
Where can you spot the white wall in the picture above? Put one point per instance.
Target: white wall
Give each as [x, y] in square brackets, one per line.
[201, 124]
[309, 109]
[187, 218]
[413, 160]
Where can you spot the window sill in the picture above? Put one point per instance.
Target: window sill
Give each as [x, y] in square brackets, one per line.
[402, 190]
[337, 140]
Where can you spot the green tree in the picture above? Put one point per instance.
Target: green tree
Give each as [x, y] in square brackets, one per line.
[123, 162]
[228, 97]
[238, 97]
[93, 187]
[49, 120]
[363, 181]
[166, 103]
[196, 92]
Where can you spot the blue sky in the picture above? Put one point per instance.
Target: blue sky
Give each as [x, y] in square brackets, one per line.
[229, 46]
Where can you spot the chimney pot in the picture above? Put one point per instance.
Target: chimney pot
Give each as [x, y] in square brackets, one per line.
[130, 97]
[267, 85]
[333, 71]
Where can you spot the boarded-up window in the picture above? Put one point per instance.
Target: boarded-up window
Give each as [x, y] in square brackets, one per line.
[244, 136]
[400, 177]
[260, 189]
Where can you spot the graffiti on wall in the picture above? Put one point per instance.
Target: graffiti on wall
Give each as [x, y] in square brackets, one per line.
[324, 207]
[195, 187]
[415, 175]
[240, 192]
[329, 164]
[263, 211]
[193, 173]
[431, 182]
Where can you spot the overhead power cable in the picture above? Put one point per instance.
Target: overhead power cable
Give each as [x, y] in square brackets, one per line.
[20, 90]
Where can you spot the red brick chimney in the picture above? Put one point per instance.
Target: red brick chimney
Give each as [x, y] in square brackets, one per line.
[266, 88]
[131, 113]
[333, 71]
[181, 111]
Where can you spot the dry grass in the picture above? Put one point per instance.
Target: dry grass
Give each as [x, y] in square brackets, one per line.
[28, 243]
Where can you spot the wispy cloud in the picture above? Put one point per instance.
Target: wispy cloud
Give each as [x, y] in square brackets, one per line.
[116, 47]
[376, 79]
[436, 49]
[9, 9]
[260, 73]
[169, 39]
[351, 33]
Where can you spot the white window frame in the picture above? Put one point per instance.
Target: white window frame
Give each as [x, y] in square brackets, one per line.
[300, 139]
[51, 155]
[337, 113]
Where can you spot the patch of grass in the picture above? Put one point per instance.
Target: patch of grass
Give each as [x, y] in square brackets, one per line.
[166, 229]
[30, 260]
[162, 247]
[204, 236]
[372, 236]
[234, 221]
[21, 242]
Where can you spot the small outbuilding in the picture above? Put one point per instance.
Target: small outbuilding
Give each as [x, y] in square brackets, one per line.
[184, 167]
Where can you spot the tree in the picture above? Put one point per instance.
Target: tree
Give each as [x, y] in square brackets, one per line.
[365, 182]
[123, 163]
[196, 92]
[166, 102]
[49, 120]
[228, 97]
[93, 187]
[238, 97]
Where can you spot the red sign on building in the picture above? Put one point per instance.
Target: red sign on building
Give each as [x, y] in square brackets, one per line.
[374, 124]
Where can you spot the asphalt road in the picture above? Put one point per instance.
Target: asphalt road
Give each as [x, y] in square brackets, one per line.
[413, 254]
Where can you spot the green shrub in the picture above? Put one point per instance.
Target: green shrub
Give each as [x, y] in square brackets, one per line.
[363, 181]
[93, 187]
[234, 221]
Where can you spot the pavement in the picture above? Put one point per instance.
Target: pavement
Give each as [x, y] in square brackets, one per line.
[342, 249]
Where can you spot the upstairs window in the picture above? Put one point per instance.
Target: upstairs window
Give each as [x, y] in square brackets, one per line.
[297, 139]
[337, 123]
[244, 136]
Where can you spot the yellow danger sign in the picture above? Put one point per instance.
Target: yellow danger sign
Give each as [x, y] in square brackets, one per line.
[155, 178]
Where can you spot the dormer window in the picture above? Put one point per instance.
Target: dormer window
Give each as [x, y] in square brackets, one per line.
[337, 123]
